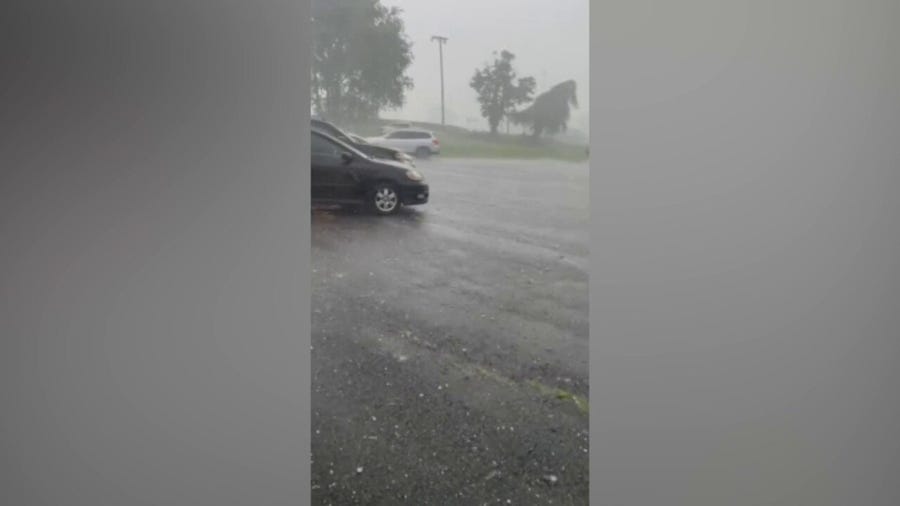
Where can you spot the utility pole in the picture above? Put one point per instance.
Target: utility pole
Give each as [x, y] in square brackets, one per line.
[441, 41]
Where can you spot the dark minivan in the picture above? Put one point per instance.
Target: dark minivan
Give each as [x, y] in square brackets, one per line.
[378, 152]
[341, 174]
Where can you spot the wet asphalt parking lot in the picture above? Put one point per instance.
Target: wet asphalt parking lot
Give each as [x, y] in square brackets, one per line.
[450, 342]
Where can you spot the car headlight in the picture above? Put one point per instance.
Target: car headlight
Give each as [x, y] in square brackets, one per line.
[403, 157]
[413, 175]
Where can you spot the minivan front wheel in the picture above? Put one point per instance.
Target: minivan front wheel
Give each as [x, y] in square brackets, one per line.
[384, 199]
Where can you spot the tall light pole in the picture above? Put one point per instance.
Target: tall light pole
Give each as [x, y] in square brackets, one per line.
[441, 41]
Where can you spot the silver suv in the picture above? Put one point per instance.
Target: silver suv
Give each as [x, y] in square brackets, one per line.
[421, 143]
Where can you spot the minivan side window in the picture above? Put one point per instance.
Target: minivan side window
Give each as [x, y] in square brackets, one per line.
[421, 135]
[322, 147]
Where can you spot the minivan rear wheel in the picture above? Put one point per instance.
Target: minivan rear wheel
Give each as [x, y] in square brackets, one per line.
[384, 199]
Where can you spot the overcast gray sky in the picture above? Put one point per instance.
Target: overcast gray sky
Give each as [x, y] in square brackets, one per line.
[550, 39]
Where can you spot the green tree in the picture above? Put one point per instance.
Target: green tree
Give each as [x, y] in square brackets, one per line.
[499, 90]
[550, 111]
[360, 57]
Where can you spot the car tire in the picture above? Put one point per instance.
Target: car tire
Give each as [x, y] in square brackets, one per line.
[384, 199]
[423, 152]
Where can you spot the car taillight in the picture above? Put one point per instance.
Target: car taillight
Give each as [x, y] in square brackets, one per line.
[435, 142]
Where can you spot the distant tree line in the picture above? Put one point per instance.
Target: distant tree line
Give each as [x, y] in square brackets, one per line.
[500, 91]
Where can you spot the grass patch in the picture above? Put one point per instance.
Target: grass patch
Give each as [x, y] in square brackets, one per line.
[478, 145]
[564, 396]
[580, 402]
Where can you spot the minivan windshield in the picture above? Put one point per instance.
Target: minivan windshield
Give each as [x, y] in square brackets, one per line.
[333, 131]
[360, 140]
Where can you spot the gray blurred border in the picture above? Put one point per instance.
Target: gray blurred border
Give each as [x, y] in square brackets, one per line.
[745, 291]
[154, 253]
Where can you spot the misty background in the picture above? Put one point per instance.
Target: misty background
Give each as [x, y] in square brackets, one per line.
[551, 42]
